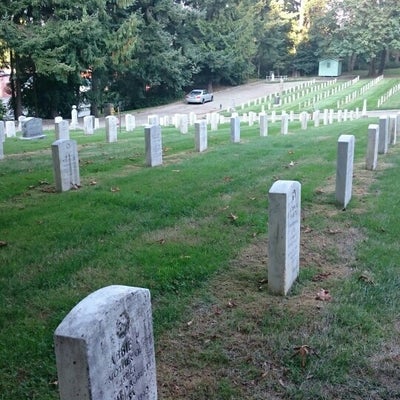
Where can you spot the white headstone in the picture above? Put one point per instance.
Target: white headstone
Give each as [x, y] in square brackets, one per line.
[105, 348]
[372, 147]
[284, 124]
[130, 122]
[214, 121]
[383, 142]
[62, 130]
[200, 134]
[65, 164]
[153, 145]
[21, 119]
[184, 124]
[88, 124]
[316, 117]
[263, 124]
[10, 129]
[284, 212]
[235, 129]
[111, 129]
[74, 118]
[304, 120]
[344, 169]
[153, 119]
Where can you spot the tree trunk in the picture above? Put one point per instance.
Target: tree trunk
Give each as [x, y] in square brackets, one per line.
[94, 107]
[15, 82]
[372, 67]
[382, 61]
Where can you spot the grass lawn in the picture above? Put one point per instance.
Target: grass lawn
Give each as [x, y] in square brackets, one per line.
[194, 232]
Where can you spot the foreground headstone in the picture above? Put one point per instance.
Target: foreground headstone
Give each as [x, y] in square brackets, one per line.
[111, 129]
[383, 144]
[105, 348]
[200, 135]
[235, 129]
[284, 124]
[65, 165]
[62, 130]
[32, 128]
[372, 147]
[344, 169]
[283, 235]
[153, 145]
[392, 129]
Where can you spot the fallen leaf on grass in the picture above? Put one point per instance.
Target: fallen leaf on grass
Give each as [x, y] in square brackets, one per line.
[115, 189]
[319, 191]
[3, 243]
[334, 231]
[231, 304]
[92, 183]
[189, 323]
[227, 178]
[75, 186]
[367, 278]
[233, 217]
[303, 352]
[161, 241]
[307, 229]
[323, 295]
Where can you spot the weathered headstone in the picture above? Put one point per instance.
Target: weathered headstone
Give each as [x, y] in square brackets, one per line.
[316, 118]
[263, 124]
[153, 119]
[153, 145]
[283, 235]
[65, 165]
[88, 124]
[130, 122]
[372, 147]
[344, 169]
[105, 348]
[235, 129]
[62, 130]
[200, 135]
[10, 129]
[111, 129]
[383, 143]
[32, 128]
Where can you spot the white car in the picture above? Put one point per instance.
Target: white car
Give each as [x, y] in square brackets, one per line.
[199, 96]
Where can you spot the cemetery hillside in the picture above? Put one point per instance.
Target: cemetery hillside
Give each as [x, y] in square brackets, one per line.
[243, 254]
[199, 200]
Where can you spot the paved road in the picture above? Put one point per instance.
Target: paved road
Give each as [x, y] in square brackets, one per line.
[223, 99]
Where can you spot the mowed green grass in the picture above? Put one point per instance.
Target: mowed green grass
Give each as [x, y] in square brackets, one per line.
[169, 228]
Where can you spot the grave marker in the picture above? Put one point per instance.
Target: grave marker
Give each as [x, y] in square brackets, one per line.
[383, 141]
[263, 124]
[392, 129]
[111, 129]
[130, 122]
[283, 235]
[74, 118]
[153, 145]
[65, 164]
[372, 147]
[10, 129]
[200, 135]
[235, 129]
[62, 130]
[105, 348]
[284, 123]
[344, 169]
[88, 125]
[32, 128]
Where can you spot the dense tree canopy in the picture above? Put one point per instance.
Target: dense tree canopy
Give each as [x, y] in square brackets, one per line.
[141, 52]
